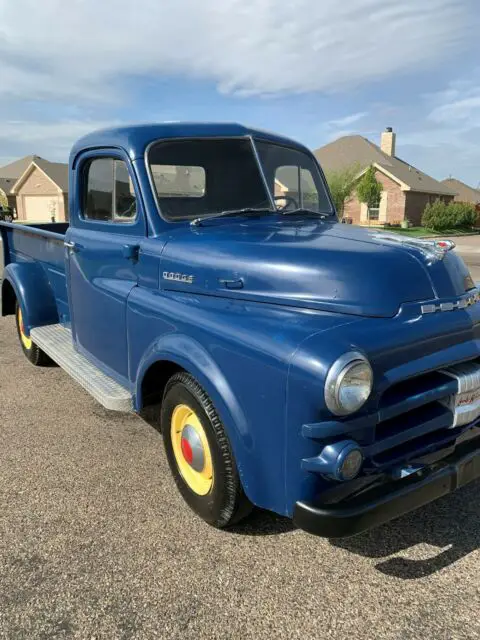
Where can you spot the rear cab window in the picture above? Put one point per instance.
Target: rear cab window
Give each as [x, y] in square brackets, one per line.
[197, 177]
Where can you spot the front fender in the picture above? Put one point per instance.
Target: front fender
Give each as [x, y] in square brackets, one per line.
[33, 292]
[193, 357]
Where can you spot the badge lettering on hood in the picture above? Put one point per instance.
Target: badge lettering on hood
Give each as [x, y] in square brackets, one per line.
[463, 303]
[178, 277]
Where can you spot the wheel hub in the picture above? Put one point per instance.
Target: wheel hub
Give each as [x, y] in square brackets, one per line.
[192, 448]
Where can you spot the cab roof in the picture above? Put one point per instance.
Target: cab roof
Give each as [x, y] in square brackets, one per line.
[136, 138]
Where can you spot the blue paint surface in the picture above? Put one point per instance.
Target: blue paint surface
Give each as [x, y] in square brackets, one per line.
[310, 290]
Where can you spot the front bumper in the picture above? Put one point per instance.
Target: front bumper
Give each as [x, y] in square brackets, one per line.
[388, 501]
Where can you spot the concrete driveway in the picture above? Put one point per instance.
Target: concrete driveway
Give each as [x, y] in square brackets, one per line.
[96, 543]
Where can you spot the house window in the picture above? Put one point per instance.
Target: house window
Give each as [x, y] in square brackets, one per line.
[374, 212]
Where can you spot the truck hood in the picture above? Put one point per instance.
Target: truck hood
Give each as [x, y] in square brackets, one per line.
[311, 264]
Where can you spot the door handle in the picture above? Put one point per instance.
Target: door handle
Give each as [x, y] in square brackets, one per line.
[131, 251]
[71, 246]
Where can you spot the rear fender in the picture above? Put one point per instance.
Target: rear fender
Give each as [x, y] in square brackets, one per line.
[33, 293]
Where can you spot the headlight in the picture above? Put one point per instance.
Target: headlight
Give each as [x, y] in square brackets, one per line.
[349, 383]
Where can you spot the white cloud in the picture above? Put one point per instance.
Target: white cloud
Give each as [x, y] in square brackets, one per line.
[465, 109]
[81, 47]
[51, 140]
[447, 140]
[346, 121]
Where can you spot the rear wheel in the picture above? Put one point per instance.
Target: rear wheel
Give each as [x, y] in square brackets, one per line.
[36, 356]
[199, 454]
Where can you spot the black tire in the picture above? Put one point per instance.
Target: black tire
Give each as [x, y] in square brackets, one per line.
[33, 353]
[225, 503]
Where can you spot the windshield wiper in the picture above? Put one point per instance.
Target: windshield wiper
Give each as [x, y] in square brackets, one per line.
[292, 212]
[231, 212]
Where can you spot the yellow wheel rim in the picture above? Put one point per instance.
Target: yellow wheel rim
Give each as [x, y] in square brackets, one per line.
[26, 341]
[191, 450]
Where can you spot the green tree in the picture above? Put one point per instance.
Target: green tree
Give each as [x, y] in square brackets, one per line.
[342, 184]
[369, 190]
[3, 199]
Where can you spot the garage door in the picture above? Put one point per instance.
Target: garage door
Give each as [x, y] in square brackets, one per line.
[40, 208]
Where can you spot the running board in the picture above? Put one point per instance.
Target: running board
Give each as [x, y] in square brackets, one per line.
[57, 343]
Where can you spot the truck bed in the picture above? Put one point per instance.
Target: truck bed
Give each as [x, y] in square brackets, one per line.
[43, 244]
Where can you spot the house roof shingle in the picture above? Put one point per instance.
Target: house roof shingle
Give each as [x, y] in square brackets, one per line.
[464, 192]
[15, 169]
[6, 184]
[357, 149]
[56, 171]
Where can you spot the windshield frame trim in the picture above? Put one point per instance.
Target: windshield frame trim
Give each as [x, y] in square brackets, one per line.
[262, 173]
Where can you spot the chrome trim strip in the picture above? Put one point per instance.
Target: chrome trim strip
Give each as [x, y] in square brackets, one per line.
[462, 303]
[465, 404]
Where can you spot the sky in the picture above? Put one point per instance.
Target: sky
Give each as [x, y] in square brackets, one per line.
[313, 70]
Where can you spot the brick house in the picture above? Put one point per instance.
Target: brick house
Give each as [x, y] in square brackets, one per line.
[406, 189]
[41, 191]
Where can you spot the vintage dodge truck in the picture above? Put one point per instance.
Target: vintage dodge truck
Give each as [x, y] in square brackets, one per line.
[322, 371]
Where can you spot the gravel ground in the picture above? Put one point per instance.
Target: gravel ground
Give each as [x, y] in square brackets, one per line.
[96, 543]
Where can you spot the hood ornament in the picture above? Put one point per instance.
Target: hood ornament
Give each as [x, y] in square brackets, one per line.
[432, 249]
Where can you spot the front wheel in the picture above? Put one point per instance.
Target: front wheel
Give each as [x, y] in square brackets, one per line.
[36, 356]
[199, 454]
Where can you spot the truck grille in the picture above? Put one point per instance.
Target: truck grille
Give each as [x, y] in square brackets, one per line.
[414, 417]
[426, 412]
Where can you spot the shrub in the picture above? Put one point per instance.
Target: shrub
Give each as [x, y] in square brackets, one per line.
[464, 214]
[436, 216]
[455, 215]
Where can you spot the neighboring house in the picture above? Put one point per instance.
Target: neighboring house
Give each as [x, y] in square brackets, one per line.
[406, 190]
[10, 173]
[464, 193]
[42, 192]
[36, 188]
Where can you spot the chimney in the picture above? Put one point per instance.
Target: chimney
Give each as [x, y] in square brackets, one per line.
[387, 144]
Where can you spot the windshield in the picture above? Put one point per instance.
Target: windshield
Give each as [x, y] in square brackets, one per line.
[203, 177]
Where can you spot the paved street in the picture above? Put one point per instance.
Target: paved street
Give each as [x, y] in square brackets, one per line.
[469, 248]
[95, 541]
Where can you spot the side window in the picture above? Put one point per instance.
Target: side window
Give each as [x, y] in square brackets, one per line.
[109, 195]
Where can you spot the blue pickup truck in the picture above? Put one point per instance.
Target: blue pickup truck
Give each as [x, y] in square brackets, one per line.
[322, 371]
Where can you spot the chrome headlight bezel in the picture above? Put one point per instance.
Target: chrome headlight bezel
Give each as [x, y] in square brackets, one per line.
[335, 377]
